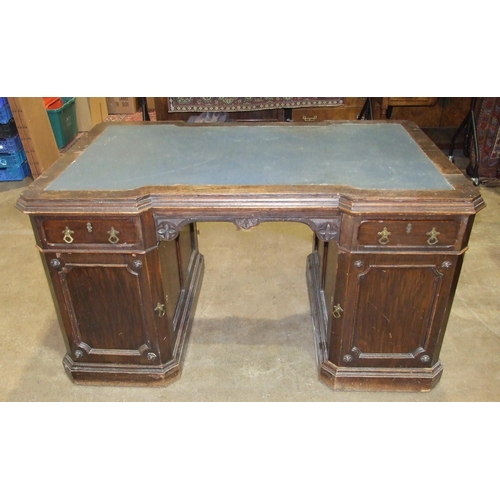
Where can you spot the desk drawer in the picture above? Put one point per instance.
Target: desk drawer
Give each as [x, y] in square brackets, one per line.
[427, 234]
[73, 232]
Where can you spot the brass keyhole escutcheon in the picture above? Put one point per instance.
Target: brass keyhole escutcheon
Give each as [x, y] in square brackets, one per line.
[433, 234]
[67, 235]
[160, 309]
[384, 236]
[337, 311]
[113, 238]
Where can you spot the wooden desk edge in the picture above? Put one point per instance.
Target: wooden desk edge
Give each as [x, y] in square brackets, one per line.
[463, 199]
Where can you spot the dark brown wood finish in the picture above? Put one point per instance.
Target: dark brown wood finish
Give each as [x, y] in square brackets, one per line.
[393, 308]
[381, 277]
[171, 275]
[63, 232]
[408, 233]
[350, 110]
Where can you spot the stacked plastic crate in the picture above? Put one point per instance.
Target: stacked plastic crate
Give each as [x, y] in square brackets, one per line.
[13, 163]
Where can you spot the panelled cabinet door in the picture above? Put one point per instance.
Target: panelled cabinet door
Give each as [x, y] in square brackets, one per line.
[328, 270]
[111, 310]
[398, 309]
[175, 256]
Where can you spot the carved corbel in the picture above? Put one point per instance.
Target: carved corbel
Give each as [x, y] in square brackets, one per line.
[326, 230]
[168, 229]
[246, 223]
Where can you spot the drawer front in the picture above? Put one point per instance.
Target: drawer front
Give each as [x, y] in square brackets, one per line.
[69, 232]
[348, 111]
[399, 234]
[411, 101]
[324, 114]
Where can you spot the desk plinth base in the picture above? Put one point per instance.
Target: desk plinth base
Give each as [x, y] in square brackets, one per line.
[129, 375]
[142, 375]
[381, 379]
[358, 378]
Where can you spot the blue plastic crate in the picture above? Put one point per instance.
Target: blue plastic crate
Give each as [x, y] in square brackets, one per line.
[11, 145]
[12, 160]
[5, 112]
[17, 173]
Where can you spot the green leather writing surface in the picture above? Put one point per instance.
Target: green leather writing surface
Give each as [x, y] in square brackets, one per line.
[377, 156]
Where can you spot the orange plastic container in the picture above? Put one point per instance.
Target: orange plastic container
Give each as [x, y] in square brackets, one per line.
[53, 102]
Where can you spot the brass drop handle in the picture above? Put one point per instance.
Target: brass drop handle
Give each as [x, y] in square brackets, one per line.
[312, 119]
[67, 235]
[160, 308]
[433, 234]
[337, 311]
[113, 238]
[384, 236]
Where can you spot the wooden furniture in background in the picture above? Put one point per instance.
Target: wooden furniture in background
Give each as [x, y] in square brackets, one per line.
[448, 112]
[438, 117]
[349, 111]
[426, 112]
[390, 214]
[35, 132]
[387, 103]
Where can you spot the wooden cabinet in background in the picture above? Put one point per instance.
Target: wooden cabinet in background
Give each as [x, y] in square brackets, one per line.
[387, 103]
[426, 112]
[446, 112]
[348, 111]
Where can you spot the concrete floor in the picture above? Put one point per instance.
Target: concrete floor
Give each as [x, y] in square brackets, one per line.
[252, 336]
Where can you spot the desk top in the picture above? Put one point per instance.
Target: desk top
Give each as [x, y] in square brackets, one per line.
[368, 166]
[382, 156]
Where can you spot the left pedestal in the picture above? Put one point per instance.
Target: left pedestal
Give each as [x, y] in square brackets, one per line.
[126, 314]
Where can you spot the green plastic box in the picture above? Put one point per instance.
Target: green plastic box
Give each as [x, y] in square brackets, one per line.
[63, 122]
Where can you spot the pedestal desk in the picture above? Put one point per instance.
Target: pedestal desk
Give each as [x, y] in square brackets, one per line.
[115, 222]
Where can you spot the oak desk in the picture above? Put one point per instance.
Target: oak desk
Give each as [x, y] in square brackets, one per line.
[115, 217]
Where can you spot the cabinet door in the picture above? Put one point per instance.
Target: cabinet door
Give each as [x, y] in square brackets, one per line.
[111, 305]
[175, 260]
[391, 310]
[327, 261]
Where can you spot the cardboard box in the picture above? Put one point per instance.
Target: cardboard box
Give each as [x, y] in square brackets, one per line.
[98, 110]
[36, 133]
[90, 111]
[122, 105]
